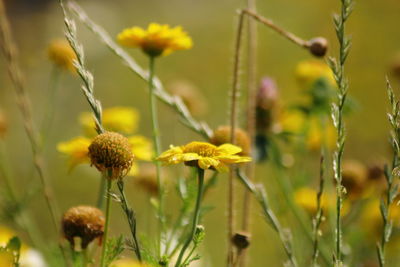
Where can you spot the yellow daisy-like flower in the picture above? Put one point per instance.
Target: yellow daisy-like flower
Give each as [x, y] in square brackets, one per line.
[292, 120]
[62, 55]
[6, 258]
[76, 149]
[116, 119]
[157, 39]
[204, 155]
[307, 199]
[308, 72]
[318, 135]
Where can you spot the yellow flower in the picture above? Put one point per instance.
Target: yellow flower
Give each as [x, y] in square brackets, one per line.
[293, 121]
[318, 134]
[6, 258]
[157, 39]
[127, 263]
[308, 72]
[76, 149]
[62, 55]
[307, 199]
[204, 155]
[115, 119]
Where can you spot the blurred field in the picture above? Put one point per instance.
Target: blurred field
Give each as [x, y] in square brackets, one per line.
[376, 42]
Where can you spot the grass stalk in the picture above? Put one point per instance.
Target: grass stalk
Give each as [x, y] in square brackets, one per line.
[390, 173]
[338, 68]
[10, 52]
[196, 215]
[317, 220]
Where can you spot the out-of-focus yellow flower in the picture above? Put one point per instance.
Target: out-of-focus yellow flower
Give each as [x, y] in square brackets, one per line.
[116, 119]
[62, 55]
[157, 39]
[293, 121]
[354, 179]
[320, 134]
[142, 147]
[308, 72]
[76, 149]
[307, 199]
[6, 258]
[127, 263]
[29, 257]
[204, 155]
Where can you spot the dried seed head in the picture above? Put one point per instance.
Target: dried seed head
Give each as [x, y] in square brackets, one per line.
[241, 240]
[318, 46]
[223, 135]
[3, 124]
[84, 222]
[111, 152]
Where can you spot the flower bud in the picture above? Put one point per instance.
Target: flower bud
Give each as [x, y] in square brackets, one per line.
[111, 152]
[318, 46]
[223, 135]
[267, 98]
[84, 222]
[241, 240]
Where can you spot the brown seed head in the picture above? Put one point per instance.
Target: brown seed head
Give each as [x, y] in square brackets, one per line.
[223, 135]
[84, 222]
[241, 240]
[111, 152]
[318, 46]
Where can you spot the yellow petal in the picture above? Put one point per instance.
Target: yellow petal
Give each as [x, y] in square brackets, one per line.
[142, 147]
[206, 163]
[228, 149]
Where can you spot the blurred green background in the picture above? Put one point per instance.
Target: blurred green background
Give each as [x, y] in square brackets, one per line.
[376, 43]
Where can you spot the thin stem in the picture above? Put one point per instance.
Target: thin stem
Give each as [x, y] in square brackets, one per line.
[107, 222]
[251, 109]
[50, 105]
[131, 216]
[196, 216]
[102, 191]
[157, 145]
[288, 35]
[319, 214]
[233, 121]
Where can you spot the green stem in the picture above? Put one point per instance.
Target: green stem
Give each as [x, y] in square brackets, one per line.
[49, 110]
[196, 216]
[102, 190]
[108, 205]
[157, 144]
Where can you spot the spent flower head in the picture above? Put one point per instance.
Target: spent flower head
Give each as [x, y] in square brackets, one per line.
[204, 155]
[111, 152]
[223, 135]
[62, 55]
[84, 222]
[157, 39]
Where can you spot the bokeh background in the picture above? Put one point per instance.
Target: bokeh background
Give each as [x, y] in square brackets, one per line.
[376, 44]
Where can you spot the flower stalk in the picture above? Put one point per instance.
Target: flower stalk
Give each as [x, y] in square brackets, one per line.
[107, 222]
[196, 216]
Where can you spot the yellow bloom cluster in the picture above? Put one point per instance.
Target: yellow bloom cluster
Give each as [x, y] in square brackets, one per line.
[308, 72]
[62, 55]
[204, 155]
[117, 119]
[157, 39]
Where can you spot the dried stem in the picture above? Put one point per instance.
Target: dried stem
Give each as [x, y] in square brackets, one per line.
[10, 52]
[337, 66]
[251, 110]
[258, 191]
[390, 173]
[233, 122]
